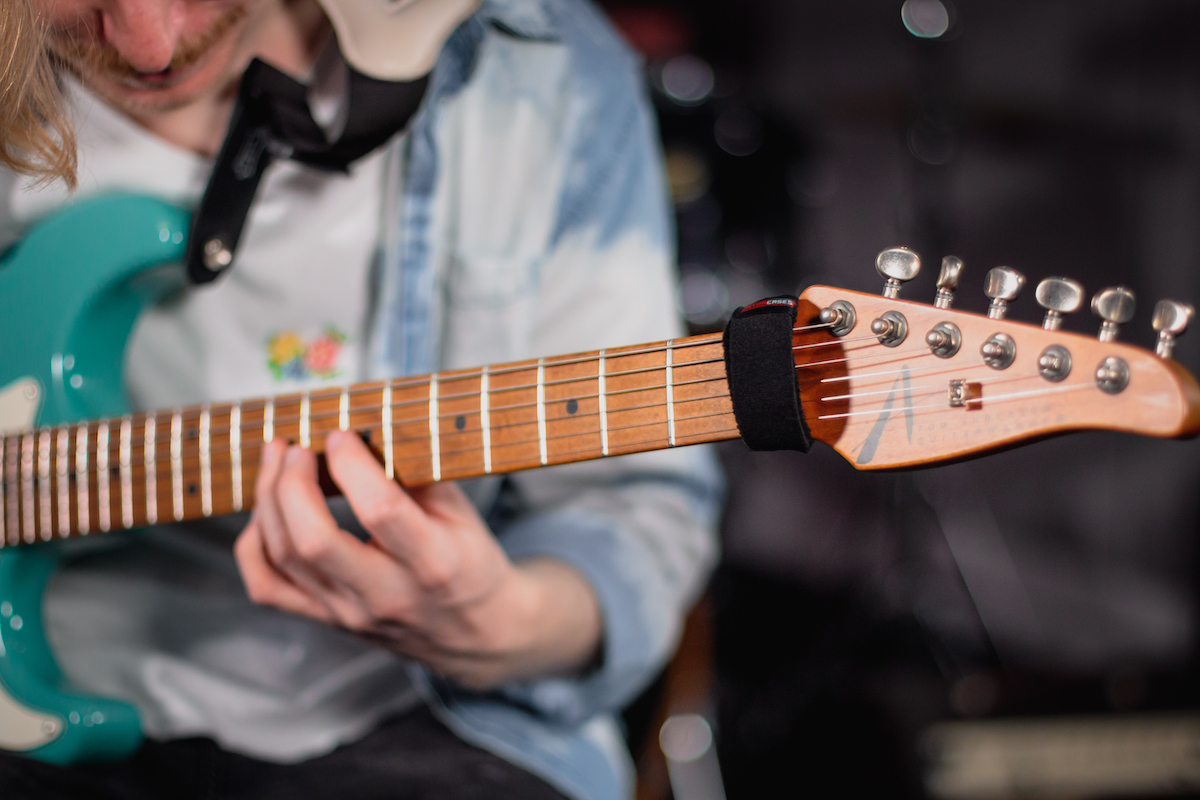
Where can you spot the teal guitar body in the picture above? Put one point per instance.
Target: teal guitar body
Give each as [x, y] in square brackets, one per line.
[70, 291]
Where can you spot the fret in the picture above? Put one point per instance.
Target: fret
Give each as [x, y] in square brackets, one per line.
[82, 479]
[546, 398]
[28, 522]
[485, 421]
[177, 465]
[45, 521]
[435, 450]
[206, 507]
[389, 459]
[235, 453]
[103, 498]
[150, 463]
[670, 393]
[125, 465]
[305, 422]
[269, 421]
[541, 410]
[602, 397]
[62, 469]
[12, 471]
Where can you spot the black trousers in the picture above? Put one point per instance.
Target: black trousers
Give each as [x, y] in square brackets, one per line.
[410, 757]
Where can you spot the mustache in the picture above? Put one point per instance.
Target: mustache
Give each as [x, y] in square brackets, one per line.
[85, 58]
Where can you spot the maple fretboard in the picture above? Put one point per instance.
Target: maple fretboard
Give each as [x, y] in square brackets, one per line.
[187, 463]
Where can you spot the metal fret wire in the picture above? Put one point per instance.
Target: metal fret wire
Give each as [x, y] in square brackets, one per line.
[124, 462]
[435, 457]
[45, 521]
[103, 498]
[82, 479]
[206, 507]
[485, 421]
[541, 410]
[389, 463]
[670, 397]
[177, 465]
[235, 454]
[62, 476]
[150, 462]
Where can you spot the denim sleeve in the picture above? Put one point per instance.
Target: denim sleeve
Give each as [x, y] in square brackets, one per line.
[640, 529]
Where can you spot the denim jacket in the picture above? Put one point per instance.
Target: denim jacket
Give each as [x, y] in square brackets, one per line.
[531, 218]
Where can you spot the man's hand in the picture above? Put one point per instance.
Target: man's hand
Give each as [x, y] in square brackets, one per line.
[432, 583]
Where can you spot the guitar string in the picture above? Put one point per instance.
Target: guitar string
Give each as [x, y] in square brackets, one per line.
[138, 443]
[1000, 398]
[918, 408]
[217, 449]
[286, 421]
[515, 463]
[419, 381]
[331, 395]
[137, 470]
[528, 460]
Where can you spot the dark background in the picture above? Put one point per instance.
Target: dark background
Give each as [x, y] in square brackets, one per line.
[1058, 137]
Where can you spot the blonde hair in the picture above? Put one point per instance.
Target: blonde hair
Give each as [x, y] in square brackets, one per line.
[35, 135]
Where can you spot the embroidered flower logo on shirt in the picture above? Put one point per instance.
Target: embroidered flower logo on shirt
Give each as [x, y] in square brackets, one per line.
[289, 357]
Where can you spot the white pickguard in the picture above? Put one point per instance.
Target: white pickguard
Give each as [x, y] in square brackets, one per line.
[22, 728]
[19, 404]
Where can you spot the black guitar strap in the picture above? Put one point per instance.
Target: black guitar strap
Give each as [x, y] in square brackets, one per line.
[272, 119]
[762, 376]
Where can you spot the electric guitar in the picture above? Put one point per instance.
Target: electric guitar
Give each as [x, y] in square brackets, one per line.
[886, 382]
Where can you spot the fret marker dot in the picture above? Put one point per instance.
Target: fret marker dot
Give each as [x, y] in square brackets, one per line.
[572, 406]
[460, 422]
[191, 488]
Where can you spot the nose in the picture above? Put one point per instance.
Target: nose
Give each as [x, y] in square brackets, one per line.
[144, 32]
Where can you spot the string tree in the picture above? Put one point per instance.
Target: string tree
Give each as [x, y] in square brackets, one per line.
[1002, 285]
[1059, 296]
[1115, 306]
[898, 265]
[947, 282]
[1170, 320]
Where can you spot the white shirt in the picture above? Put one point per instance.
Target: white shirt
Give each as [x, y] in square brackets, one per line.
[167, 623]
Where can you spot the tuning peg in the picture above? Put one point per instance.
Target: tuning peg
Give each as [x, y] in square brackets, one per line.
[1002, 285]
[897, 264]
[947, 281]
[1170, 320]
[1115, 306]
[1059, 296]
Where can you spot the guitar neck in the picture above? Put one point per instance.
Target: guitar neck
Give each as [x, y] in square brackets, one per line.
[202, 461]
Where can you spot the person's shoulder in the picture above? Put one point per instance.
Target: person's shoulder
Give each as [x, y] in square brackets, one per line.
[598, 55]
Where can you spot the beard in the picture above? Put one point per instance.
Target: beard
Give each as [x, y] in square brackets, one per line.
[97, 64]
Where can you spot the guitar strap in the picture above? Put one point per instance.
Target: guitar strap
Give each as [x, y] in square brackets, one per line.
[762, 376]
[272, 119]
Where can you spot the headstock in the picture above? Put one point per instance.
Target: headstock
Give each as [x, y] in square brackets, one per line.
[894, 383]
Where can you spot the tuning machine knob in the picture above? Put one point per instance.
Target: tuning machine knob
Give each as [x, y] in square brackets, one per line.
[1059, 296]
[1115, 306]
[898, 265]
[1002, 285]
[1170, 320]
[947, 281]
